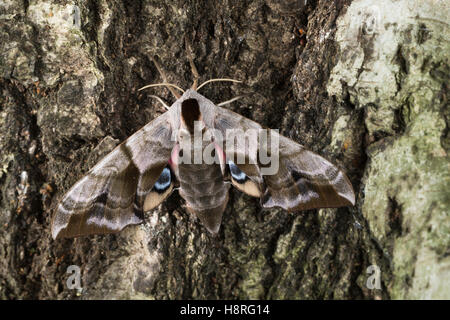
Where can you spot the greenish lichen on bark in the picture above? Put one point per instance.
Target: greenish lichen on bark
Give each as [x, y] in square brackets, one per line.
[391, 73]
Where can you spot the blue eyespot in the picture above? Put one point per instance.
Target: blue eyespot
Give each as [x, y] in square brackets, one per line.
[164, 181]
[236, 173]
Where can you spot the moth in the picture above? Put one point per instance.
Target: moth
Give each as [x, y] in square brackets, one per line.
[146, 168]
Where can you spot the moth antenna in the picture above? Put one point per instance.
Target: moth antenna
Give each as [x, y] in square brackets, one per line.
[191, 62]
[165, 82]
[161, 101]
[168, 85]
[229, 101]
[216, 80]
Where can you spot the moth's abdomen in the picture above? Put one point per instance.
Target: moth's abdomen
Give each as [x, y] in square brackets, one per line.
[206, 193]
[202, 185]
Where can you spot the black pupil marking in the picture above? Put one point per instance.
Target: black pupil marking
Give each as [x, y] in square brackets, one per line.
[102, 198]
[190, 111]
[138, 211]
[180, 153]
[295, 175]
[164, 181]
[236, 173]
[301, 182]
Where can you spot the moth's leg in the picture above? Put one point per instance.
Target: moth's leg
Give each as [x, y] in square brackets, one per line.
[216, 80]
[191, 62]
[229, 101]
[161, 101]
[164, 77]
[168, 85]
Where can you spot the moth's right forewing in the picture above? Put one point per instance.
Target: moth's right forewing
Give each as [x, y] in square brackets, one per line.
[305, 180]
[302, 180]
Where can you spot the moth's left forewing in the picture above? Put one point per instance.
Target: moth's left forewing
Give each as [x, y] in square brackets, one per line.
[92, 205]
[112, 194]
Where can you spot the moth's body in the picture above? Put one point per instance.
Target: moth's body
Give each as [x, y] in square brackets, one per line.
[203, 188]
[201, 185]
[140, 173]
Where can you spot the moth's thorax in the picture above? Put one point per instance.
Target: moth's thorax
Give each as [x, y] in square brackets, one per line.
[206, 108]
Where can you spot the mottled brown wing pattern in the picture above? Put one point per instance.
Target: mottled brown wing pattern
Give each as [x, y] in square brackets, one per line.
[111, 196]
[304, 180]
[138, 175]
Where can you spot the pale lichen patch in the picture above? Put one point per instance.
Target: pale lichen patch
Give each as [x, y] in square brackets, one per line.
[389, 72]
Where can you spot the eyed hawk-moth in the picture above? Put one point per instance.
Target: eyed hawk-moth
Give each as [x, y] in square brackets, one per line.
[144, 170]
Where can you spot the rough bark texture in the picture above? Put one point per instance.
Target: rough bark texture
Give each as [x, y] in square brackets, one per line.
[363, 85]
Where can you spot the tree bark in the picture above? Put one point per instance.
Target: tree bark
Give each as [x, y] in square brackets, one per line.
[365, 85]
